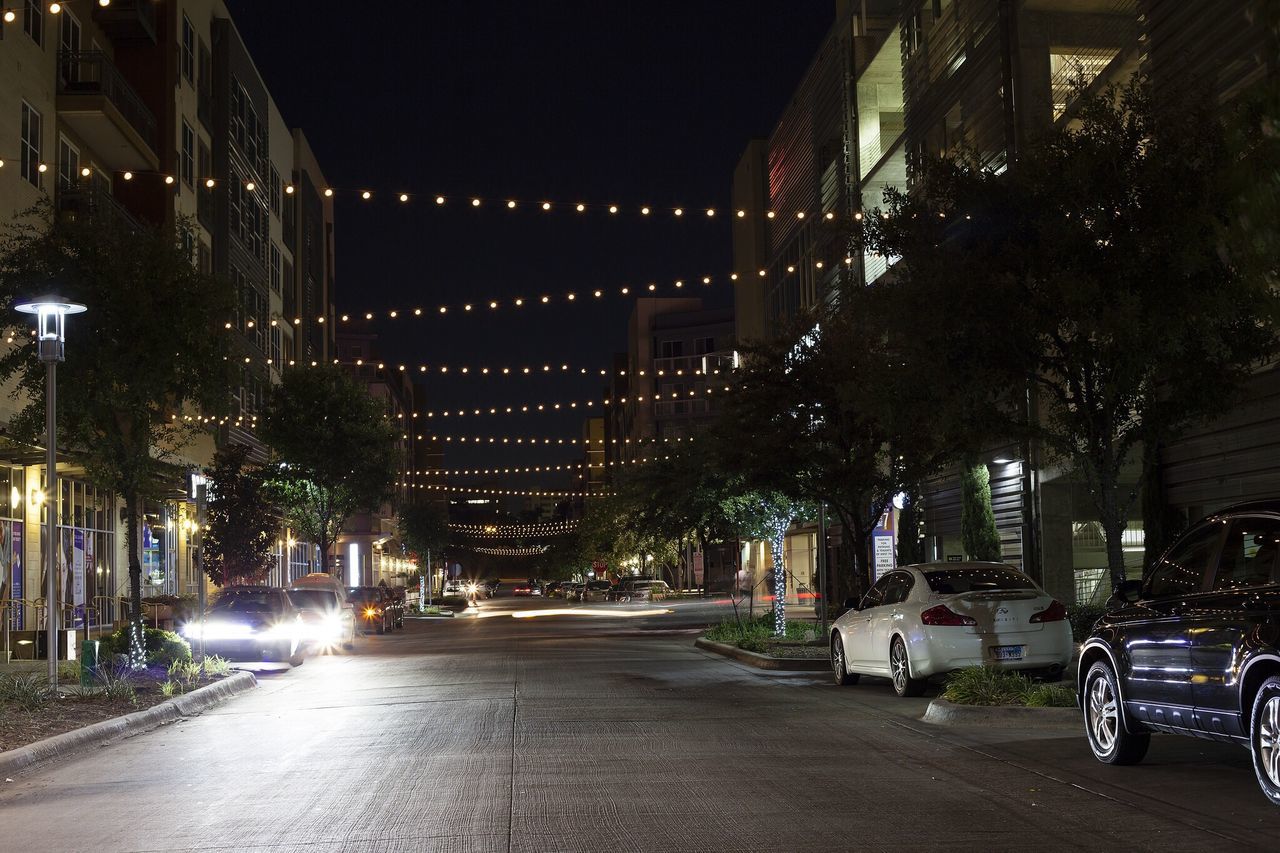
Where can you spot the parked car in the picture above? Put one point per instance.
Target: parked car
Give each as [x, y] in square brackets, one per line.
[327, 619]
[370, 608]
[1194, 647]
[393, 601]
[594, 591]
[491, 586]
[556, 589]
[251, 623]
[638, 589]
[924, 620]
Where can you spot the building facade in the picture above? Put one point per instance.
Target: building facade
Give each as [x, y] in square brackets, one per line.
[899, 80]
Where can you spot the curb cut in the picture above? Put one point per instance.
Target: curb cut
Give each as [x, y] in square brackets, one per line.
[944, 713]
[764, 661]
[68, 743]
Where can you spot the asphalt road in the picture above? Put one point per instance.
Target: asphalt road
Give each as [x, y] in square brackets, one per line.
[586, 733]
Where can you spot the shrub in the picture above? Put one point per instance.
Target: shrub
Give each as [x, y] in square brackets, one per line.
[170, 687]
[1050, 696]
[184, 671]
[116, 683]
[28, 692]
[1083, 617]
[216, 667]
[162, 647]
[68, 670]
[979, 685]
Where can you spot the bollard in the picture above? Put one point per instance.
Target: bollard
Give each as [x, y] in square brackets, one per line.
[88, 662]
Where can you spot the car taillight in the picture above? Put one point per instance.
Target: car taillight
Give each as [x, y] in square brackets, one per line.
[1055, 612]
[943, 615]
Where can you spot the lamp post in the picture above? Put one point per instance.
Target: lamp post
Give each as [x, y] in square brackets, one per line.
[51, 322]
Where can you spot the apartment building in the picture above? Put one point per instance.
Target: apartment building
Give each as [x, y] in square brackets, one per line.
[146, 111]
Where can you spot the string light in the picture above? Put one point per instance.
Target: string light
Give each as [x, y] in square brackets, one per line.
[544, 441]
[504, 492]
[507, 552]
[525, 408]
[533, 469]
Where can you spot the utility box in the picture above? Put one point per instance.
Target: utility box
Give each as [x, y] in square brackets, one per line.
[88, 662]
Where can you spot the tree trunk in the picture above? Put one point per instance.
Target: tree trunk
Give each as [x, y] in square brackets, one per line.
[137, 646]
[777, 544]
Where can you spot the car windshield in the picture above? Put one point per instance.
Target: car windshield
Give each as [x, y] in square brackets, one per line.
[246, 601]
[983, 579]
[313, 599]
[599, 585]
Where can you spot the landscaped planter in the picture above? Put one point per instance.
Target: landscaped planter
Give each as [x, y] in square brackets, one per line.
[944, 713]
[759, 661]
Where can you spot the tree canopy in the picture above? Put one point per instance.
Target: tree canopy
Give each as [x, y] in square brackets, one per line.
[147, 366]
[333, 452]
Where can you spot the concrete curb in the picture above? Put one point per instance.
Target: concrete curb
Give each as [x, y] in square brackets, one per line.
[764, 661]
[944, 713]
[68, 743]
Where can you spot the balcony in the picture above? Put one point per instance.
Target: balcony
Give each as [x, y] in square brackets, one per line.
[95, 203]
[128, 20]
[104, 110]
[694, 365]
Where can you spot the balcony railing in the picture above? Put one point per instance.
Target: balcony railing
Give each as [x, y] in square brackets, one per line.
[94, 203]
[128, 20]
[90, 72]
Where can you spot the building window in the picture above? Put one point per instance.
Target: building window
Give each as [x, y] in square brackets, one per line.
[188, 155]
[276, 347]
[188, 50]
[31, 142]
[33, 21]
[671, 349]
[68, 164]
[275, 268]
[702, 346]
[276, 189]
[204, 258]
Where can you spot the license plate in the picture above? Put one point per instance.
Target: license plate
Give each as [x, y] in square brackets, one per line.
[1007, 652]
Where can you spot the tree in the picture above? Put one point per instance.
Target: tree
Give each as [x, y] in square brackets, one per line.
[424, 528]
[977, 521]
[823, 414]
[333, 448]
[241, 520]
[147, 364]
[1096, 272]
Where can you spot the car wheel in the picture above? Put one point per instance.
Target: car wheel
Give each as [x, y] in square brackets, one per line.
[298, 657]
[900, 670]
[382, 626]
[1104, 721]
[1264, 738]
[842, 675]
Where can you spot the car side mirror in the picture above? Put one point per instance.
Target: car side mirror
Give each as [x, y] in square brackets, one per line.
[1128, 591]
[851, 603]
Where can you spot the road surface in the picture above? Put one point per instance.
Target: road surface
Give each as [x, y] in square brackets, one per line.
[581, 733]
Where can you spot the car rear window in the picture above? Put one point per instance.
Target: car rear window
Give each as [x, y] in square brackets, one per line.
[313, 599]
[955, 581]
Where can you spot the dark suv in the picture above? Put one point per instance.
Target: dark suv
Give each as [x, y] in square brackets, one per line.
[1194, 647]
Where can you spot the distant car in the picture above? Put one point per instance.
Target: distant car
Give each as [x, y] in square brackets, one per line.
[1194, 647]
[327, 620]
[252, 623]
[491, 586]
[933, 618]
[527, 588]
[556, 588]
[370, 609]
[454, 588]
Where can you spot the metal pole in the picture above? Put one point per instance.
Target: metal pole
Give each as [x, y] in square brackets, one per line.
[51, 516]
[822, 565]
[431, 579]
[201, 503]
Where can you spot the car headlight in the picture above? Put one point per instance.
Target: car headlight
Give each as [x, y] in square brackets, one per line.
[216, 630]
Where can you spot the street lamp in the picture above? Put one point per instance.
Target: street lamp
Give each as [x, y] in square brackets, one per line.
[51, 323]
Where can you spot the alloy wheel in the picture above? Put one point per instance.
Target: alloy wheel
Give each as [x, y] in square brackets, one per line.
[837, 658]
[898, 666]
[1269, 739]
[1104, 716]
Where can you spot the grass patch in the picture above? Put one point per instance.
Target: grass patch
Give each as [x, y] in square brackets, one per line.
[980, 685]
[756, 635]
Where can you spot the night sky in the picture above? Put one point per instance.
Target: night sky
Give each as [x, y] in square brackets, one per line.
[606, 102]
